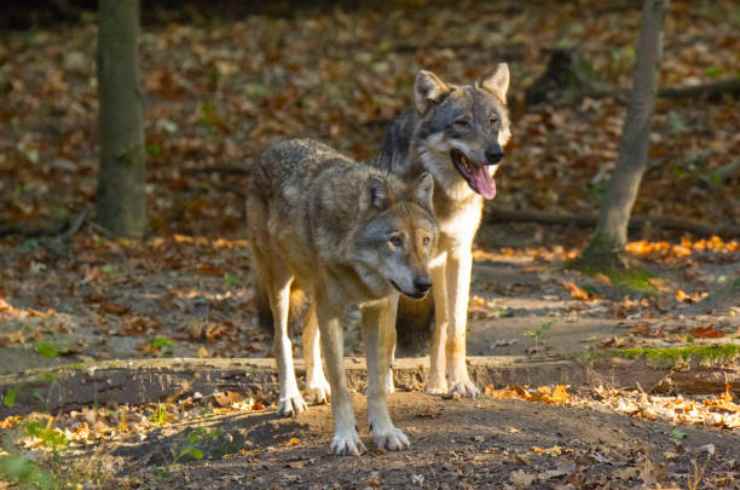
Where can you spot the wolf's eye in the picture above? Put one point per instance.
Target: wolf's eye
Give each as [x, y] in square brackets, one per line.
[462, 124]
[396, 241]
[426, 241]
[493, 120]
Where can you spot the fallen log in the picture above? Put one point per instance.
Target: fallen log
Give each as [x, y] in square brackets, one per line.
[569, 77]
[143, 381]
[497, 215]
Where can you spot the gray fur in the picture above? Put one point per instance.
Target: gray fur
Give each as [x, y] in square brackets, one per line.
[448, 121]
[348, 234]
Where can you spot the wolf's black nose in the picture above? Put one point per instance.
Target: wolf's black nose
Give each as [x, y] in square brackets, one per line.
[494, 155]
[422, 284]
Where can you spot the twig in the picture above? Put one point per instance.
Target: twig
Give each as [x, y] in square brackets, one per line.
[76, 224]
[223, 170]
[63, 230]
[710, 91]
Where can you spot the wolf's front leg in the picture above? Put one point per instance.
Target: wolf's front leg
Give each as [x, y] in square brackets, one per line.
[379, 325]
[291, 402]
[346, 439]
[459, 268]
[437, 382]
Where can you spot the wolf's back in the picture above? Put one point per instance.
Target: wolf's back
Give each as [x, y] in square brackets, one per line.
[396, 147]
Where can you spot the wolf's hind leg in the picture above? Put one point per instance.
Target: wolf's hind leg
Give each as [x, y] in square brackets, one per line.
[315, 380]
[291, 401]
[379, 325]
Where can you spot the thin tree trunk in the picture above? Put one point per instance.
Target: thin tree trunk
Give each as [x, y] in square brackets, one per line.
[121, 195]
[611, 232]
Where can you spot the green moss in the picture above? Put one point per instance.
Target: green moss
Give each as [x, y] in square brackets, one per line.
[706, 353]
[637, 280]
[630, 280]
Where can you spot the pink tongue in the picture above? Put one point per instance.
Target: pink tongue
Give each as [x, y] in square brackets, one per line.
[484, 183]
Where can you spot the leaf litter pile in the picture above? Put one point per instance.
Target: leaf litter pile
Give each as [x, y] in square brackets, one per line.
[216, 93]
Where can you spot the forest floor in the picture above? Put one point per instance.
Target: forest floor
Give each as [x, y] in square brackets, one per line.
[526, 305]
[217, 92]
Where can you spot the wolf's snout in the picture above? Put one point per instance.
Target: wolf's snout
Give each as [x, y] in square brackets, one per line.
[494, 155]
[422, 284]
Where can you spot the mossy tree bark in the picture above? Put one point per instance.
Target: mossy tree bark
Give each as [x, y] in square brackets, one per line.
[121, 194]
[607, 244]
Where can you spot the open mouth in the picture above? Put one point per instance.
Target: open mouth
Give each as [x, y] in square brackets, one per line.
[415, 295]
[476, 175]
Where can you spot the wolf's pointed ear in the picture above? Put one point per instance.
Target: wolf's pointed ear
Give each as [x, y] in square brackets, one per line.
[378, 193]
[498, 82]
[424, 191]
[428, 90]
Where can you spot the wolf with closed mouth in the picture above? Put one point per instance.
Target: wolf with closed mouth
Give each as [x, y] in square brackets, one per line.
[457, 133]
[347, 234]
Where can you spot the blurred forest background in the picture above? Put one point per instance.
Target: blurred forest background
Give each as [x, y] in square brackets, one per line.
[220, 80]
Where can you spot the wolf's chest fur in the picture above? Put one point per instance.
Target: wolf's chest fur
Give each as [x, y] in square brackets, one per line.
[458, 219]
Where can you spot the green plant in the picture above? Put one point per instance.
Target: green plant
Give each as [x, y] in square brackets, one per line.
[159, 416]
[46, 349]
[25, 472]
[193, 447]
[678, 434]
[163, 345]
[49, 436]
[9, 397]
[537, 333]
[231, 280]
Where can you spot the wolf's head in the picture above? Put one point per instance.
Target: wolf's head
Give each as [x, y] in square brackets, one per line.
[462, 130]
[393, 248]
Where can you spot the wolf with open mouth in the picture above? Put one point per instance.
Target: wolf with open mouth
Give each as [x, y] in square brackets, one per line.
[457, 133]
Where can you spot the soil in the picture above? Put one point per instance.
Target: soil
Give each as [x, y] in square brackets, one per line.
[455, 444]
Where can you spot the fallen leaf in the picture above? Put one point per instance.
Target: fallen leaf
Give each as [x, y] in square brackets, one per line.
[226, 398]
[706, 332]
[522, 479]
[550, 451]
[114, 308]
[575, 291]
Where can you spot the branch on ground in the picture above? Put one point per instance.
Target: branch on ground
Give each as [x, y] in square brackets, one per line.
[636, 222]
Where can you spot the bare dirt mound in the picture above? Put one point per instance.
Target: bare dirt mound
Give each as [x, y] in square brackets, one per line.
[457, 444]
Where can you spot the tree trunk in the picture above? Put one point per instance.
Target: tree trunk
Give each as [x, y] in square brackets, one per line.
[121, 194]
[610, 237]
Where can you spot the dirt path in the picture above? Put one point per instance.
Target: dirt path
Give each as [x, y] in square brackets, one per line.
[455, 444]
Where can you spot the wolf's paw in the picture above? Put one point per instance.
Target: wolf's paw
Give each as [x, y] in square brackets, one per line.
[392, 439]
[347, 443]
[465, 389]
[320, 390]
[291, 406]
[436, 386]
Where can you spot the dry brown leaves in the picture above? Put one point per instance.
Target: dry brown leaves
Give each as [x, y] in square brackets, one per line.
[665, 250]
[577, 292]
[719, 411]
[556, 395]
